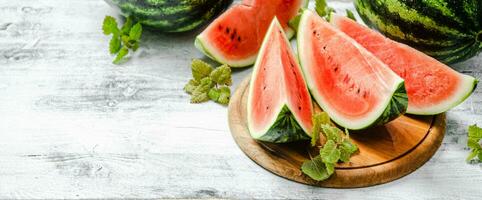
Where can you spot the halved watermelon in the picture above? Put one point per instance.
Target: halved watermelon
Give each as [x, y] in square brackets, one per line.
[279, 103]
[234, 37]
[432, 86]
[354, 87]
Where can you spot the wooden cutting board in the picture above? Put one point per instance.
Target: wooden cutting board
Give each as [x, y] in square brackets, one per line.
[385, 153]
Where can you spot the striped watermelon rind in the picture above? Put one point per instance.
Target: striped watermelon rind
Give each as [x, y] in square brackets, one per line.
[394, 104]
[169, 15]
[448, 30]
[287, 126]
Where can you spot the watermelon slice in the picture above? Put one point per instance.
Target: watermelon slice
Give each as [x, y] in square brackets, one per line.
[279, 103]
[354, 87]
[234, 37]
[432, 86]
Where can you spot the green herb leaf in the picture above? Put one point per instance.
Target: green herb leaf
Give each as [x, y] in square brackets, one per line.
[122, 40]
[350, 15]
[191, 86]
[120, 56]
[222, 75]
[199, 97]
[332, 133]
[322, 8]
[224, 95]
[126, 28]
[329, 152]
[114, 44]
[109, 26]
[136, 32]
[315, 169]
[473, 142]
[318, 119]
[200, 69]
[330, 168]
[214, 94]
[200, 93]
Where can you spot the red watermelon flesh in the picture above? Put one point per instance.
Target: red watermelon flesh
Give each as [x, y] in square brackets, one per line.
[354, 87]
[279, 103]
[432, 86]
[234, 37]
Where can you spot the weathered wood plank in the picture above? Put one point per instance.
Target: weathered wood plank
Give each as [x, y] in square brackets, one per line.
[72, 125]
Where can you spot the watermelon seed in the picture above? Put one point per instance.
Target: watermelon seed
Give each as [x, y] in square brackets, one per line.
[358, 91]
[264, 88]
[336, 69]
[299, 107]
[227, 30]
[267, 107]
[239, 39]
[220, 27]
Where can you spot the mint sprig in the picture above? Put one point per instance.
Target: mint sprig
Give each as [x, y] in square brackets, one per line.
[209, 83]
[124, 39]
[323, 10]
[474, 143]
[338, 147]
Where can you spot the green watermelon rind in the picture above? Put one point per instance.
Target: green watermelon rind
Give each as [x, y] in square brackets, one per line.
[392, 108]
[441, 29]
[167, 16]
[205, 49]
[284, 127]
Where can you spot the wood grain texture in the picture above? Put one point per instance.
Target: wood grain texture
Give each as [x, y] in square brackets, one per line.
[72, 125]
[385, 153]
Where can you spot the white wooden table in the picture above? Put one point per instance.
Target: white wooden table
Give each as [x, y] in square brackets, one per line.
[72, 125]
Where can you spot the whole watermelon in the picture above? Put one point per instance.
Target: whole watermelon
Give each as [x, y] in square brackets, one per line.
[171, 15]
[448, 30]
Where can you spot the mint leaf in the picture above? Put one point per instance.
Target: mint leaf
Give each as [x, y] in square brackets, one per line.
[109, 26]
[475, 132]
[200, 69]
[474, 142]
[225, 94]
[136, 32]
[199, 97]
[350, 15]
[222, 75]
[214, 94]
[329, 153]
[321, 7]
[331, 133]
[114, 45]
[122, 53]
[191, 86]
[315, 169]
[318, 119]
[124, 39]
[126, 28]
[330, 168]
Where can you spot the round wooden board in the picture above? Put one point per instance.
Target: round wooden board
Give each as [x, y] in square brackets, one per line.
[385, 153]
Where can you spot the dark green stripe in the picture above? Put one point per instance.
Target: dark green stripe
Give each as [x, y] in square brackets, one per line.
[416, 29]
[473, 50]
[427, 8]
[457, 7]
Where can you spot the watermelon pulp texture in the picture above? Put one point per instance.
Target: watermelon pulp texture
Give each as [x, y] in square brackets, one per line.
[354, 87]
[432, 86]
[235, 37]
[279, 103]
[448, 30]
[171, 16]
